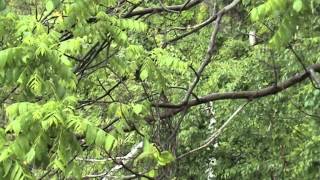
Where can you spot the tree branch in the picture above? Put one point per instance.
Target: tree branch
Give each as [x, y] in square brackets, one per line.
[207, 60]
[250, 95]
[203, 24]
[131, 155]
[173, 8]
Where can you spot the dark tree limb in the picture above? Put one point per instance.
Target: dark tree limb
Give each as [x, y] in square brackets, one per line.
[249, 95]
[207, 60]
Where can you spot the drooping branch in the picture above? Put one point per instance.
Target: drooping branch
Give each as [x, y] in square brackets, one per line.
[273, 89]
[249, 95]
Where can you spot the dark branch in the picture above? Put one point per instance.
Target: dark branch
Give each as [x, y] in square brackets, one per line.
[250, 95]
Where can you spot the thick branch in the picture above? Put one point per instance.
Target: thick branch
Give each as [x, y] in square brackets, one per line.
[258, 93]
[210, 50]
[250, 95]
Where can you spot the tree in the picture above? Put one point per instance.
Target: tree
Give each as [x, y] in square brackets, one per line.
[159, 90]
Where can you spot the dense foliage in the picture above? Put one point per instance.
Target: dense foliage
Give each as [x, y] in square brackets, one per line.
[177, 89]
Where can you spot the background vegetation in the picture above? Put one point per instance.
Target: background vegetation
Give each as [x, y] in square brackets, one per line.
[176, 89]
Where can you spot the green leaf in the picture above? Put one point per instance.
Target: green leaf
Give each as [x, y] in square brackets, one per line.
[297, 5]
[7, 168]
[2, 5]
[5, 154]
[15, 172]
[3, 58]
[15, 126]
[109, 142]
[47, 124]
[91, 134]
[109, 3]
[35, 84]
[164, 158]
[152, 173]
[254, 14]
[144, 74]
[42, 49]
[59, 164]
[60, 91]
[52, 4]
[100, 139]
[137, 108]
[30, 155]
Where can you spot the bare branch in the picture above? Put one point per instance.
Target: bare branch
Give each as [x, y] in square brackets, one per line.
[250, 95]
